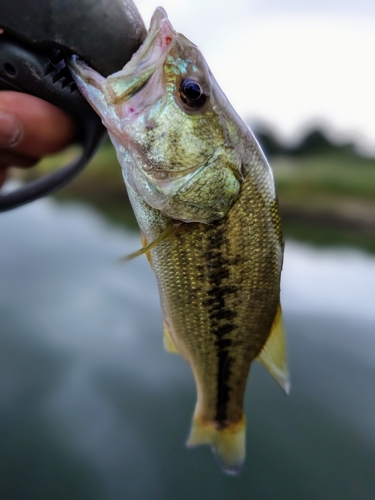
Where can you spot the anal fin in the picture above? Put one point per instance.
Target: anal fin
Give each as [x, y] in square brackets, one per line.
[273, 355]
[169, 344]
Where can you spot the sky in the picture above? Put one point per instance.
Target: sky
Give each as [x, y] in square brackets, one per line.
[289, 65]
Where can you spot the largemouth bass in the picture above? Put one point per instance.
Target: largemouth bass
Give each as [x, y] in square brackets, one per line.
[203, 195]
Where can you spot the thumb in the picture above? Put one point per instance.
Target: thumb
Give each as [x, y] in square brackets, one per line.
[32, 127]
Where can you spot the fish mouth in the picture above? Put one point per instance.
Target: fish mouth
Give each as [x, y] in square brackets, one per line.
[121, 86]
[160, 38]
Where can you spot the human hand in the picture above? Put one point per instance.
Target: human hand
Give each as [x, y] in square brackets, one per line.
[29, 129]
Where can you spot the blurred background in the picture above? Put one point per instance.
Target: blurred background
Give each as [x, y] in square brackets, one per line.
[91, 407]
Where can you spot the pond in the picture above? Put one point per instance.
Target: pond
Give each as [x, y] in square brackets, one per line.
[92, 407]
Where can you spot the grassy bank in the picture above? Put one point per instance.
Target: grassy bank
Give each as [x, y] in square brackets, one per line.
[325, 197]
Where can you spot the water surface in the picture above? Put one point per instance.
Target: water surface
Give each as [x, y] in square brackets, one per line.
[91, 407]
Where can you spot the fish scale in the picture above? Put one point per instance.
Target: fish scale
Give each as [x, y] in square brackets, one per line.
[204, 198]
[214, 272]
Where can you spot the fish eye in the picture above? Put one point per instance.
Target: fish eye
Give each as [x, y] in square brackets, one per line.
[192, 94]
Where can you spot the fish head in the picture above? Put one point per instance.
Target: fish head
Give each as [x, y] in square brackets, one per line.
[177, 146]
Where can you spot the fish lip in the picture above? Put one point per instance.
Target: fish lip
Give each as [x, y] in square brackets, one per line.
[79, 68]
[150, 52]
[122, 86]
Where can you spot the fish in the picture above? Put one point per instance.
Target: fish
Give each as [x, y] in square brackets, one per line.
[204, 197]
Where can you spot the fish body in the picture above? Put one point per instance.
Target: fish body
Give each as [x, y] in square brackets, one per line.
[202, 189]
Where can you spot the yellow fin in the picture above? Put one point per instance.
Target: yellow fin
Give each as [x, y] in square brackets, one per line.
[170, 229]
[228, 443]
[273, 354]
[145, 244]
[169, 344]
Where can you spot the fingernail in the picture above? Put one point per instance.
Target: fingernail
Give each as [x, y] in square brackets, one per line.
[10, 130]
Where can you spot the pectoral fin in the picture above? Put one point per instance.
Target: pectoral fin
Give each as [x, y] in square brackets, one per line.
[169, 344]
[144, 245]
[273, 354]
[168, 231]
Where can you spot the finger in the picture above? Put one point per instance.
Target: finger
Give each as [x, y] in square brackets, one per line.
[43, 128]
[11, 130]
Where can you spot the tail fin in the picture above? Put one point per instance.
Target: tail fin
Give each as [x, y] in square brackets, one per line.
[228, 443]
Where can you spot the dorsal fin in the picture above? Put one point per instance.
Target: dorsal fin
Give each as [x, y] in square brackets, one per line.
[273, 354]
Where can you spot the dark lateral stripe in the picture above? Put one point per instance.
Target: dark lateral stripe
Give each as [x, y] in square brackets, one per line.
[222, 318]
